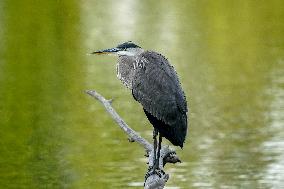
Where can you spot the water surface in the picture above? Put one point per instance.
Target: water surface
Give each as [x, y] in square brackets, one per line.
[230, 59]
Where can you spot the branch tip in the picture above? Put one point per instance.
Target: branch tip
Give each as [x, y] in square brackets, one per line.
[110, 101]
[131, 139]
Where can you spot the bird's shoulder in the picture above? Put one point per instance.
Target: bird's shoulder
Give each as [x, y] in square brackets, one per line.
[156, 59]
[156, 81]
[156, 62]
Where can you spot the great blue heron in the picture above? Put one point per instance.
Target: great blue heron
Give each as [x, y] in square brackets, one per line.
[155, 85]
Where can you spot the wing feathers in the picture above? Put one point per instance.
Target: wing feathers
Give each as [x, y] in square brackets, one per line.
[157, 88]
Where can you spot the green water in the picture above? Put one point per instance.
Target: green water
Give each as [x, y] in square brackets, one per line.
[230, 58]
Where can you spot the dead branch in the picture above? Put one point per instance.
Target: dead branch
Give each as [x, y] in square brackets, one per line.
[156, 180]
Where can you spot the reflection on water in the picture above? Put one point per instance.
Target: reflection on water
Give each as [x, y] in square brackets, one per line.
[273, 148]
[229, 56]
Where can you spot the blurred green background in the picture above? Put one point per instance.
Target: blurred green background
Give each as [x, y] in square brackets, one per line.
[230, 59]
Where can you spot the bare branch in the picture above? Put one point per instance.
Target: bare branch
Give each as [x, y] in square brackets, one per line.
[133, 136]
[157, 179]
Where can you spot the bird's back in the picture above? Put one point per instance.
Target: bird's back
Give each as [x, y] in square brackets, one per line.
[156, 86]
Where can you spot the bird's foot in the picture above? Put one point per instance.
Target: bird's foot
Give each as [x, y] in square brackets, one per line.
[160, 172]
[154, 171]
[149, 172]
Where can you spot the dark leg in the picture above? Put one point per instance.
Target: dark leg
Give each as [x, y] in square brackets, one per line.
[159, 152]
[155, 169]
[155, 133]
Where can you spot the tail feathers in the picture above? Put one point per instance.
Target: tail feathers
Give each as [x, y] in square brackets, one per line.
[175, 132]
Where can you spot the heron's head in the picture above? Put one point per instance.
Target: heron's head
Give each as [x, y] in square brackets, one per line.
[124, 49]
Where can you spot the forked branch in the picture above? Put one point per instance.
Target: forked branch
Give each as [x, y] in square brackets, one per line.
[156, 180]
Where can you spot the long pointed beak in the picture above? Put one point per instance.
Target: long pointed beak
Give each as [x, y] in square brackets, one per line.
[106, 51]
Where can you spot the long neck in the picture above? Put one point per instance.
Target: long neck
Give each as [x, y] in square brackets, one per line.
[125, 70]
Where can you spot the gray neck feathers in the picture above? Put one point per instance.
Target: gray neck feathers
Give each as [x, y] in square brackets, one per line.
[125, 70]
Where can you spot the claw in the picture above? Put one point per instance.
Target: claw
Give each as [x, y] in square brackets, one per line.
[159, 172]
[149, 172]
[153, 171]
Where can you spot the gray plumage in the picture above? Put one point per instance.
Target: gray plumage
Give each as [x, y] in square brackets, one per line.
[125, 70]
[155, 85]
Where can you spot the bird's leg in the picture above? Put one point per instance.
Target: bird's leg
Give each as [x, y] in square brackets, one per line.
[155, 133]
[157, 164]
[153, 168]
